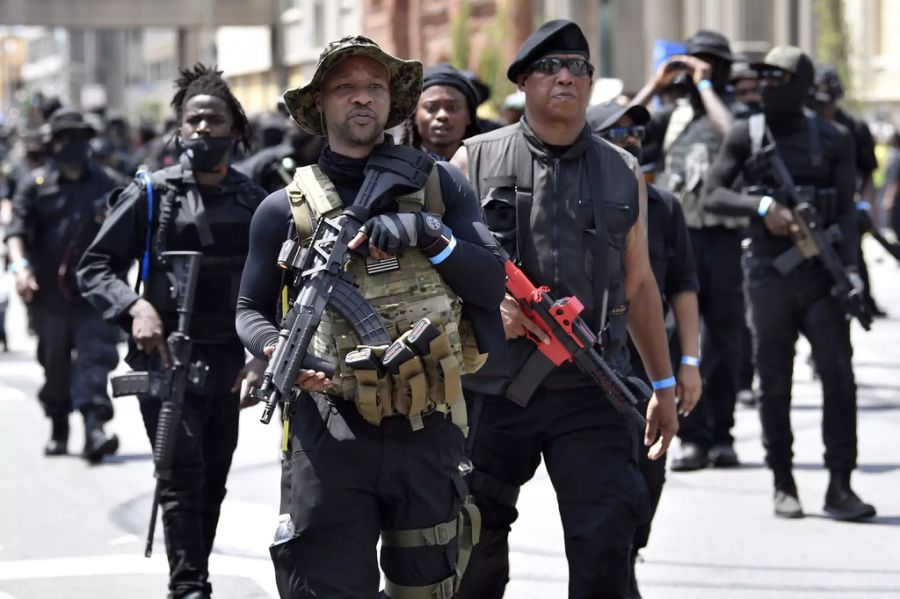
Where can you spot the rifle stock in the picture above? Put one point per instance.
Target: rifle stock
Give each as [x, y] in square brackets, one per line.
[571, 340]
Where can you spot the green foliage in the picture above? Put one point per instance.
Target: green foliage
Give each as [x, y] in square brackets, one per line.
[459, 36]
[832, 39]
[491, 64]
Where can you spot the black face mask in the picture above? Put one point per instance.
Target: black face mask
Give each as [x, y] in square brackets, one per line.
[207, 153]
[788, 98]
[74, 152]
[35, 156]
[635, 150]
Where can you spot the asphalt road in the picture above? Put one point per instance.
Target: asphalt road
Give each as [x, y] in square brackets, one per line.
[72, 531]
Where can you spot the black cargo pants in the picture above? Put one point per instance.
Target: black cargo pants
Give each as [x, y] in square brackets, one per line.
[590, 453]
[77, 350]
[781, 307]
[191, 501]
[717, 252]
[346, 482]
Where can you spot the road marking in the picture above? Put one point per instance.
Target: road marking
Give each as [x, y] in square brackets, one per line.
[257, 570]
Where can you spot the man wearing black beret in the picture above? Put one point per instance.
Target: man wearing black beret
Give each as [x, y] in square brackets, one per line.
[567, 206]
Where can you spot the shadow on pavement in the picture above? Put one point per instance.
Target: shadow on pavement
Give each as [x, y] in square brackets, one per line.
[125, 458]
[865, 468]
[774, 568]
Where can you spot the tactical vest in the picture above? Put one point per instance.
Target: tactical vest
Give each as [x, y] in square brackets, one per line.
[691, 145]
[217, 226]
[503, 168]
[402, 290]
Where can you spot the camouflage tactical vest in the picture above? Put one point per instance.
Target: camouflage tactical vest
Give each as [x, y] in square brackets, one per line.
[402, 291]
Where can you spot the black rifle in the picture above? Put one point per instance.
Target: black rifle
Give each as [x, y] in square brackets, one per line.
[392, 172]
[171, 384]
[866, 226]
[812, 240]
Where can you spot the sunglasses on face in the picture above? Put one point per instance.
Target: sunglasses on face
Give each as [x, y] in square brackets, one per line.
[620, 134]
[551, 65]
[774, 77]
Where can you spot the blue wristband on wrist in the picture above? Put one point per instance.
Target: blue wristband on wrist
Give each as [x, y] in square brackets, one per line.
[663, 384]
[445, 253]
[764, 204]
[17, 265]
[704, 84]
[690, 360]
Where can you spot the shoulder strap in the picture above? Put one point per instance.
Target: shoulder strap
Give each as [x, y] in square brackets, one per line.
[311, 195]
[678, 122]
[815, 144]
[524, 190]
[144, 176]
[601, 263]
[434, 198]
[757, 124]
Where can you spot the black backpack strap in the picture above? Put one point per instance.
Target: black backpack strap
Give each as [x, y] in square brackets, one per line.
[815, 143]
[595, 160]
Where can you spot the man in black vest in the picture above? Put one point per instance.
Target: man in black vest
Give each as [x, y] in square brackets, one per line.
[673, 268]
[585, 236]
[57, 209]
[198, 204]
[819, 156]
[684, 141]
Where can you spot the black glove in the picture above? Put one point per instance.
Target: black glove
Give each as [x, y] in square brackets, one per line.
[394, 231]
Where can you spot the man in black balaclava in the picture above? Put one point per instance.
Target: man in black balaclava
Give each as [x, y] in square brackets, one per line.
[819, 156]
[682, 141]
[828, 92]
[57, 209]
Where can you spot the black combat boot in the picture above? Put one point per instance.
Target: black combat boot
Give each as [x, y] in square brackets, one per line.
[59, 436]
[96, 442]
[787, 502]
[692, 457]
[841, 503]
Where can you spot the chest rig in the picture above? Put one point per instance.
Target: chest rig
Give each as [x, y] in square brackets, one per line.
[402, 290]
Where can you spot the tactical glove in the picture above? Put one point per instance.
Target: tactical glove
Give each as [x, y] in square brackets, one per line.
[393, 232]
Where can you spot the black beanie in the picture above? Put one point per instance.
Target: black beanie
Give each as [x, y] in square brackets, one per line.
[445, 74]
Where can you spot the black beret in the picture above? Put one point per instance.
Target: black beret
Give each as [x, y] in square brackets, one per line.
[553, 36]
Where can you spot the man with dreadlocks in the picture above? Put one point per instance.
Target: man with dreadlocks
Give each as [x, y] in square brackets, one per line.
[198, 204]
[444, 115]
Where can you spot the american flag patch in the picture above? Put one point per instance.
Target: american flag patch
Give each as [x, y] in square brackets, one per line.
[374, 267]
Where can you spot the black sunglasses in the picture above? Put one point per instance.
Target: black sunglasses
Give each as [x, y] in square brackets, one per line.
[620, 134]
[551, 65]
[773, 77]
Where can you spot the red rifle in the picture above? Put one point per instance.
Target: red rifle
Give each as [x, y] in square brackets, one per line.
[571, 340]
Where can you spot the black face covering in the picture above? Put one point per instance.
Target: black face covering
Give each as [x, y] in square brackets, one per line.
[635, 150]
[207, 153]
[35, 155]
[74, 152]
[788, 98]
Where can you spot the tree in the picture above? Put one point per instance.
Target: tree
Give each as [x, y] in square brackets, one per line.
[831, 43]
[459, 36]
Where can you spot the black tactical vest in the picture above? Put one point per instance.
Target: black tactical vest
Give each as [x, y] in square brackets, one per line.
[214, 222]
[565, 221]
[688, 160]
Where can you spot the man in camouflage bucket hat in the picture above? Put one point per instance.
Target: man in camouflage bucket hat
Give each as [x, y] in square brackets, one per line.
[405, 83]
[376, 453]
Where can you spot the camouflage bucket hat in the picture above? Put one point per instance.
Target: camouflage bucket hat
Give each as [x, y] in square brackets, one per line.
[405, 85]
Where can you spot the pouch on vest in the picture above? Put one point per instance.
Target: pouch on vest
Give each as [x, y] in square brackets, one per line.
[373, 386]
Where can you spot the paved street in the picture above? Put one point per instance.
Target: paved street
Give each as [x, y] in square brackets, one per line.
[72, 531]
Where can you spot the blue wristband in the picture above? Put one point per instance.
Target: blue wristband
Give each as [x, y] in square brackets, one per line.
[445, 253]
[663, 384]
[764, 204]
[17, 265]
[690, 360]
[863, 205]
[704, 84]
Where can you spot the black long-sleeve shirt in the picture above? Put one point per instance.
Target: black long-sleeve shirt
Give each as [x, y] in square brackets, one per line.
[474, 270]
[792, 138]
